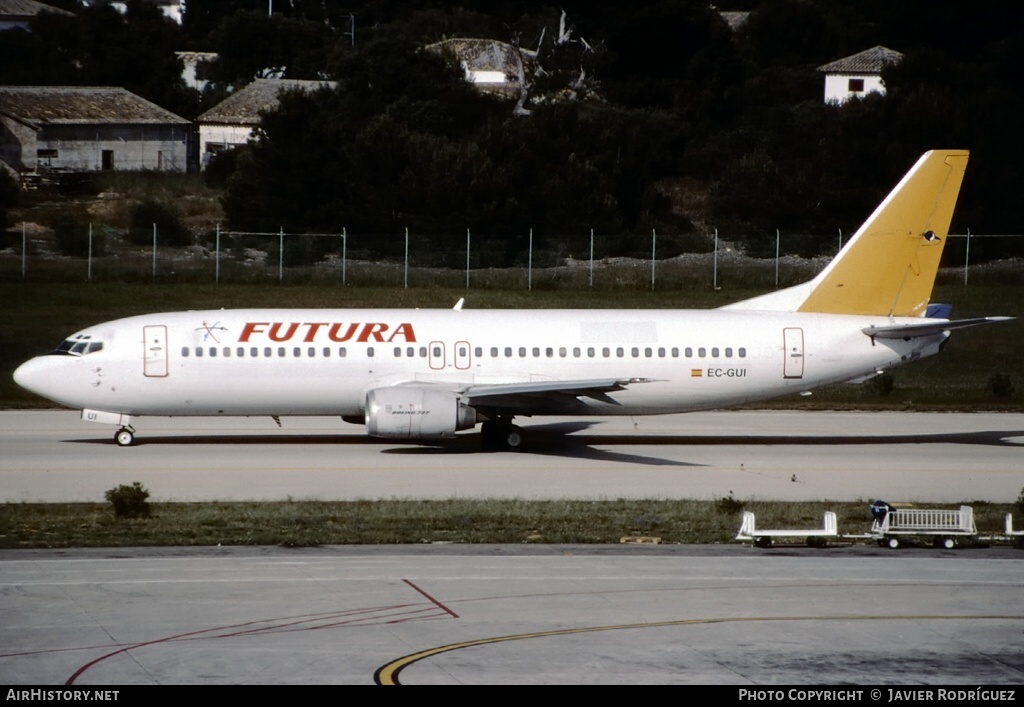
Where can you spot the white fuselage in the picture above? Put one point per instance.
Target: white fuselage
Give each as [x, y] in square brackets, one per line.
[324, 362]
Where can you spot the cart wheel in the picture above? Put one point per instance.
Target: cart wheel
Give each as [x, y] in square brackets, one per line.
[946, 543]
[763, 542]
[893, 543]
[880, 542]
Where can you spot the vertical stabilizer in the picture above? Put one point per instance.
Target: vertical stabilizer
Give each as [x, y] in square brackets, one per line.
[889, 265]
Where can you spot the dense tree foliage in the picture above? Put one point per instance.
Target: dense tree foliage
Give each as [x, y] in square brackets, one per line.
[673, 95]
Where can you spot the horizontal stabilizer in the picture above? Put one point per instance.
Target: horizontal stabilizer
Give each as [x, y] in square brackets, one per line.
[927, 327]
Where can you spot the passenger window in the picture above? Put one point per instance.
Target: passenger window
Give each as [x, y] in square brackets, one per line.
[562, 352]
[213, 352]
[369, 352]
[635, 352]
[590, 352]
[478, 352]
[508, 352]
[241, 352]
[398, 352]
[410, 352]
[728, 352]
[267, 353]
[536, 352]
[689, 352]
[549, 352]
[311, 352]
[702, 352]
[661, 352]
[522, 352]
[576, 352]
[743, 352]
[280, 352]
[327, 352]
[606, 352]
[184, 352]
[423, 352]
[714, 352]
[199, 352]
[342, 351]
[227, 352]
[296, 352]
[437, 352]
[620, 352]
[675, 352]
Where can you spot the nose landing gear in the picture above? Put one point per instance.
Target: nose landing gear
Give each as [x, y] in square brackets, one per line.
[500, 436]
[125, 436]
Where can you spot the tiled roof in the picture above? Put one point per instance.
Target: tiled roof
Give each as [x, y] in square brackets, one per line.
[76, 105]
[243, 107]
[869, 61]
[27, 8]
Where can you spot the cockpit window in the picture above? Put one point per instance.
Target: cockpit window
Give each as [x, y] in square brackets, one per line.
[80, 345]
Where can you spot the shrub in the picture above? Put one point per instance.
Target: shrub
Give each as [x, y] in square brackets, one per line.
[1002, 385]
[729, 505]
[129, 501]
[72, 237]
[170, 231]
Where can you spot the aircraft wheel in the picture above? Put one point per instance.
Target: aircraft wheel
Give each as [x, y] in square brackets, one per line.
[124, 437]
[514, 439]
[944, 543]
[893, 543]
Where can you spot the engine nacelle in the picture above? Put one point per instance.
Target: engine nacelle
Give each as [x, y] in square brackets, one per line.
[405, 412]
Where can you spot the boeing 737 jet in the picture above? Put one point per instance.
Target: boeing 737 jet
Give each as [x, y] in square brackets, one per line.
[420, 375]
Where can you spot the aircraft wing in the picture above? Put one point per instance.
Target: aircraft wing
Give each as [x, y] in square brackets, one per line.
[927, 327]
[538, 396]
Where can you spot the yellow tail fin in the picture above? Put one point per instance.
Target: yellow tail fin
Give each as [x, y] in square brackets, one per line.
[889, 265]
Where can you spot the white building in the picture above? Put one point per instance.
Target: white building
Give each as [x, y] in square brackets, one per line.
[230, 123]
[858, 75]
[89, 128]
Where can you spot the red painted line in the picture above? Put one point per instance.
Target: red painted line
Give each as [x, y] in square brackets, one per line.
[433, 600]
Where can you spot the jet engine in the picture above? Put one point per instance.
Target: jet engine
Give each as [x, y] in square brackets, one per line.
[405, 412]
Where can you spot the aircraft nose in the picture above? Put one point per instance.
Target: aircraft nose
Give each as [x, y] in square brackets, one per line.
[32, 376]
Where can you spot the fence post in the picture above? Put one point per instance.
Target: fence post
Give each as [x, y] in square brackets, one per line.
[406, 277]
[840, 239]
[154, 251]
[714, 276]
[280, 255]
[776, 258]
[24, 249]
[654, 247]
[216, 259]
[529, 264]
[88, 269]
[591, 258]
[344, 252]
[467, 258]
[967, 256]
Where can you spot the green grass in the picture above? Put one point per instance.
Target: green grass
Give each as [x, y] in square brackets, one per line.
[305, 523]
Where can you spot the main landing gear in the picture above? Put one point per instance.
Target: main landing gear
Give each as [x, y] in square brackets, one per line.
[500, 435]
[125, 436]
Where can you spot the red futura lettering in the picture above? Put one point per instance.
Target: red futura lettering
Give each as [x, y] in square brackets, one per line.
[336, 331]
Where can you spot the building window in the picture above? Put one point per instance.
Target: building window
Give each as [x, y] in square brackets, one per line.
[856, 86]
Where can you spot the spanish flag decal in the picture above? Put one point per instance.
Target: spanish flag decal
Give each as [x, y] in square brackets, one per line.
[696, 372]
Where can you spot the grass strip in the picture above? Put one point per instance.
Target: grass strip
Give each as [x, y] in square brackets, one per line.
[311, 523]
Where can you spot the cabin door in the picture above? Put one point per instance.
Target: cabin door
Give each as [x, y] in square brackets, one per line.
[793, 345]
[155, 351]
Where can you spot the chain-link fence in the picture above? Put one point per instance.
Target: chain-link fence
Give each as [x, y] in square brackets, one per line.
[408, 259]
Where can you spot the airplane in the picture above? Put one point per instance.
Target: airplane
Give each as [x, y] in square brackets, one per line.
[424, 375]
